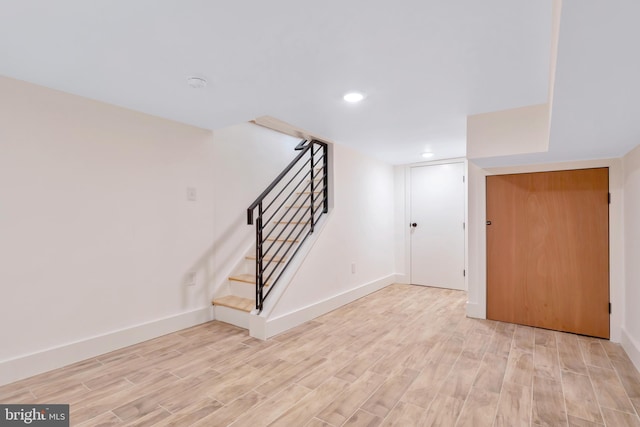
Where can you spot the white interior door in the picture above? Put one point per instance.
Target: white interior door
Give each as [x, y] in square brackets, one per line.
[437, 225]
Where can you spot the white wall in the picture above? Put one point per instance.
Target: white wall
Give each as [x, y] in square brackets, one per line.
[359, 229]
[96, 231]
[494, 134]
[631, 328]
[477, 298]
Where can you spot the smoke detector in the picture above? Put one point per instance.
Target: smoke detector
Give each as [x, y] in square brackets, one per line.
[196, 82]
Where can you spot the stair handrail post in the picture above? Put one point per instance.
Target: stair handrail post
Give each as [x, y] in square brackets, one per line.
[259, 253]
[325, 179]
[313, 177]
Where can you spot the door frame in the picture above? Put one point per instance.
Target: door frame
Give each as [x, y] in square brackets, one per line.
[406, 172]
[476, 227]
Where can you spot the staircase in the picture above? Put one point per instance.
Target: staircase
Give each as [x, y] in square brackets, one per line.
[284, 216]
[241, 299]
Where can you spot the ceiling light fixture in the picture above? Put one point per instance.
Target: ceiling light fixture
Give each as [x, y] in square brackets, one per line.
[353, 97]
[196, 82]
[427, 155]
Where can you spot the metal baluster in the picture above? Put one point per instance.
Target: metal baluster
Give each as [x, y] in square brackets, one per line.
[259, 271]
[325, 179]
[313, 176]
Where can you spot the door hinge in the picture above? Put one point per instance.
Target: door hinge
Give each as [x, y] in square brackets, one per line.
[462, 178]
[464, 273]
[609, 198]
[463, 226]
[609, 308]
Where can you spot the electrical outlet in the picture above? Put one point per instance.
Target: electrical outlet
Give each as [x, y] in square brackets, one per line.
[191, 278]
[192, 194]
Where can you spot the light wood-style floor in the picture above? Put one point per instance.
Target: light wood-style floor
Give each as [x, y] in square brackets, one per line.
[404, 356]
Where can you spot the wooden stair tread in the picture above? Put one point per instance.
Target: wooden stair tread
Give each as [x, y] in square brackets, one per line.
[276, 258]
[238, 303]
[246, 278]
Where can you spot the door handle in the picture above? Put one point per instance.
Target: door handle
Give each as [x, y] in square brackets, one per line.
[488, 222]
[413, 225]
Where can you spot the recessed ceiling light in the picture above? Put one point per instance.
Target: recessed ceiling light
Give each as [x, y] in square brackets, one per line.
[196, 82]
[353, 97]
[426, 155]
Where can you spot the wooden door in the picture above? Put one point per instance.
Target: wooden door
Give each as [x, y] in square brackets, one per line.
[437, 240]
[548, 250]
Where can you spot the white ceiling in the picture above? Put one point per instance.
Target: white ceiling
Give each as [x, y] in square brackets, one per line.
[596, 105]
[423, 64]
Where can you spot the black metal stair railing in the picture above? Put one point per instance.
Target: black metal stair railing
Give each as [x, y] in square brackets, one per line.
[286, 213]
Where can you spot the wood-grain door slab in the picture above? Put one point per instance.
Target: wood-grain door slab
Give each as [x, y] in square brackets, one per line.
[548, 250]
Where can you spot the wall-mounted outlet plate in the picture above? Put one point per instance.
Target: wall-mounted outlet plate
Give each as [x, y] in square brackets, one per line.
[191, 278]
[192, 194]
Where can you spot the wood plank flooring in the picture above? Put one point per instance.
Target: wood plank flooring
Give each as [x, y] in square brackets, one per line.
[404, 356]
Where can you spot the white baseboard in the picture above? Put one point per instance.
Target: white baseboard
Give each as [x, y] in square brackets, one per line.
[476, 311]
[36, 363]
[631, 346]
[264, 328]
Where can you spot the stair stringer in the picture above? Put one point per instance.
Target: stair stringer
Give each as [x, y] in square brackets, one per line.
[258, 322]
